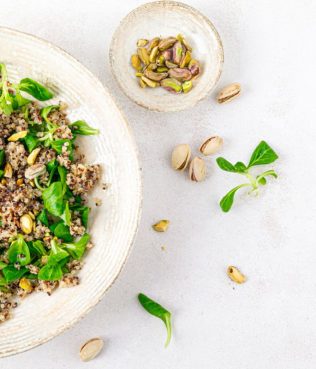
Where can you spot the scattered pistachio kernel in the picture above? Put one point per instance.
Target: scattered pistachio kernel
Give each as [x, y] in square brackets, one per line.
[33, 155]
[135, 61]
[143, 55]
[229, 93]
[235, 275]
[3, 181]
[26, 223]
[187, 86]
[142, 83]
[19, 181]
[142, 42]
[8, 170]
[161, 226]
[25, 284]
[149, 82]
[153, 54]
[211, 145]
[16, 136]
[197, 170]
[91, 349]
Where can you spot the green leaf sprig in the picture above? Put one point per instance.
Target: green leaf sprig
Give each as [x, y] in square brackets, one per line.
[262, 155]
[155, 309]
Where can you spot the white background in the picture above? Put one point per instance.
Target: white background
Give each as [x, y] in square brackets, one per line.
[270, 321]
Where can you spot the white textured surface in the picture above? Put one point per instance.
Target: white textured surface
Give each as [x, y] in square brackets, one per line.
[269, 322]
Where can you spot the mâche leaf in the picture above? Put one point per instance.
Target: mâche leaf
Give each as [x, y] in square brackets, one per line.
[53, 199]
[12, 274]
[227, 201]
[77, 249]
[80, 127]
[225, 165]
[35, 89]
[19, 252]
[263, 154]
[153, 308]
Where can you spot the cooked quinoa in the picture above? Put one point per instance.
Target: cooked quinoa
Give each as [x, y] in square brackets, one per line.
[44, 183]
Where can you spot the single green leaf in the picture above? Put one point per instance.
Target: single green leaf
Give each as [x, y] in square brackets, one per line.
[263, 154]
[62, 231]
[240, 167]
[38, 248]
[12, 274]
[228, 200]
[31, 142]
[62, 171]
[53, 199]
[3, 265]
[77, 249]
[57, 145]
[85, 216]
[153, 308]
[19, 252]
[35, 89]
[225, 165]
[66, 215]
[42, 217]
[50, 272]
[20, 100]
[2, 158]
[81, 127]
[262, 181]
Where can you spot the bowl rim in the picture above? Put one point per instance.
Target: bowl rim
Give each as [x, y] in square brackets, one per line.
[130, 133]
[189, 9]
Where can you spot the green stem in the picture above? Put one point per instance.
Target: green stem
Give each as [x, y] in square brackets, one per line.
[38, 184]
[252, 180]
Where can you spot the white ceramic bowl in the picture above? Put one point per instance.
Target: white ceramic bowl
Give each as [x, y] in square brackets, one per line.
[113, 225]
[166, 18]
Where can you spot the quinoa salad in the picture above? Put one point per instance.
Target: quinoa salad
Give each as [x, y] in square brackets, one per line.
[44, 184]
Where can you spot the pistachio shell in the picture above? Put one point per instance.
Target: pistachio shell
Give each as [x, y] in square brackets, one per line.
[91, 349]
[197, 169]
[211, 145]
[180, 158]
[229, 93]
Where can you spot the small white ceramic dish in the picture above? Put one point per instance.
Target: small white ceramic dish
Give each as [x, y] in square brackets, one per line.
[166, 18]
[113, 225]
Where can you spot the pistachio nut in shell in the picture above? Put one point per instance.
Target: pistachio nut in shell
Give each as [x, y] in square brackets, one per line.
[171, 85]
[180, 74]
[197, 169]
[211, 145]
[91, 349]
[180, 157]
[229, 93]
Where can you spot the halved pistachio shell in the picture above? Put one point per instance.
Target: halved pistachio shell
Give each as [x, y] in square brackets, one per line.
[235, 275]
[26, 223]
[194, 67]
[211, 145]
[153, 43]
[91, 349]
[142, 42]
[34, 171]
[149, 82]
[155, 76]
[171, 84]
[33, 155]
[153, 54]
[229, 93]
[181, 74]
[143, 55]
[185, 60]
[16, 136]
[180, 157]
[187, 86]
[161, 226]
[136, 63]
[8, 171]
[170, 65]
[166, 43]
[197, 169]
[177, 52]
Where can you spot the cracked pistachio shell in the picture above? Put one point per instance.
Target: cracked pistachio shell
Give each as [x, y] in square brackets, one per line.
[180, 74]
[229, 93]
[166, 43]
[180, 157]
[91, 349]
[143, 55]
[211, 145]
[197, 170]
[171, 85]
